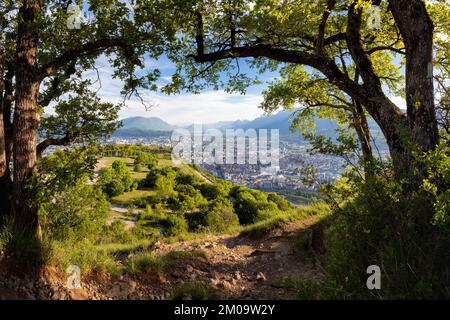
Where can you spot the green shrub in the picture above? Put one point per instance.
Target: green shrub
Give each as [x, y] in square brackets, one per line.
[77, 212]
[252, 206]
[281, 203]
[220, 216]
[186, 198]
[405, 233]
[145, 159]
[117, 179]
[175, 225]
[146, 263]
[194, 291]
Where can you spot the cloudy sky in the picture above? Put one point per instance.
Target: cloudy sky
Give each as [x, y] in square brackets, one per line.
[207, 107]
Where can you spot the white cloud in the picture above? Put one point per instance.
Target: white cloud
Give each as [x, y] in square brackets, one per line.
[207, 107]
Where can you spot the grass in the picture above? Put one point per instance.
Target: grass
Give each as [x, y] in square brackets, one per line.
[135, 246]
[139, 175]
[195, 291]
[302, 288]
[262, 228]
[108, 161]
[127, 198]
[148, 263]
[85, 255]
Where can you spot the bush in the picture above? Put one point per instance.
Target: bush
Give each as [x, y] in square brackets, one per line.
[405, 233]
[79, 211]
[220, 216]
[175, 225]
[116, 180]
[186, 198]
[252, 206]
[145, 159]
[163, 179]
[281, 203]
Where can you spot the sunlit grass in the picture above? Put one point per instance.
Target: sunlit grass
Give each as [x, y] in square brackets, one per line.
[127, 198]
[260, 229]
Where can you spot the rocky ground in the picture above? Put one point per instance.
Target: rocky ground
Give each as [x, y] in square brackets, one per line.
[234, 268]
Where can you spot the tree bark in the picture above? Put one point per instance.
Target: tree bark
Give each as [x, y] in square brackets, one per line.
[362, 130]
[416, 28]
[5, 141]
[26, 122]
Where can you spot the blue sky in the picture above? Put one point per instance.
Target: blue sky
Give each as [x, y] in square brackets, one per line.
[207, 107]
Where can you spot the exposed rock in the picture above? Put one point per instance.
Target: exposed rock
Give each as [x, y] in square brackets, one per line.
[261, 277]
[189, 269]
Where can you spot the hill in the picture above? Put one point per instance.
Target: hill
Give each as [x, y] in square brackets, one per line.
[154, 126]
[143, 126]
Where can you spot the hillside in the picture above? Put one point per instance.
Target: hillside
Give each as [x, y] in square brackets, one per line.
[177, 233]
[213, 267]
[151, 127]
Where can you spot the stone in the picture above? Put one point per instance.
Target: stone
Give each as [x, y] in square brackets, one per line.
[189, 269]
[261, 277]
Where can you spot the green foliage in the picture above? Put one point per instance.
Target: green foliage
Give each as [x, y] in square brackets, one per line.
[78, 211]
[69, 207]
[220, 217]
[116, 180]
[84, 254]
[175, 225]
[220, 188]
[81, 118]
[192, 291]
[259, 229]
[406, 233]
[186, 199]
[281, 203]
[303, 288]
[147, 262]
[252, 206]
[145, 159]
[163, 179]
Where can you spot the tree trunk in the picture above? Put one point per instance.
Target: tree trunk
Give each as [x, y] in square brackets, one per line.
[363, 132]
[4, 192]
[416, 28]
[26, 122]
[6, 99]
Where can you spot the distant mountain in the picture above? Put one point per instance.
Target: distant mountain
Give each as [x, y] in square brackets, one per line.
[282, 122]
[143, 123]
[154, 126]
[142, 126]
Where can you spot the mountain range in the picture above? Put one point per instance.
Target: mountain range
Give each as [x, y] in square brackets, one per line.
[154, 126]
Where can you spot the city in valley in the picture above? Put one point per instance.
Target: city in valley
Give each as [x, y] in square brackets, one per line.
[286, 179]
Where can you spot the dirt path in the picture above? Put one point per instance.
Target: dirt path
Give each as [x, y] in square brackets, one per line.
[118, 213]
[242, 268]
[235, 268]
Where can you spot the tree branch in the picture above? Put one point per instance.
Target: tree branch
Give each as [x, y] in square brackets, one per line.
[323, 24]
[50, 68]
[64, 141]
